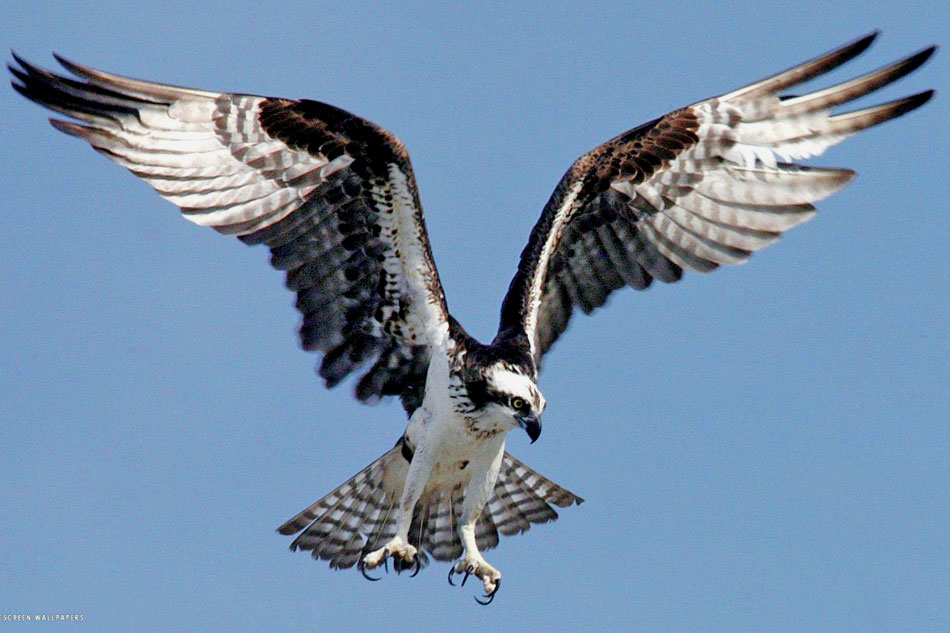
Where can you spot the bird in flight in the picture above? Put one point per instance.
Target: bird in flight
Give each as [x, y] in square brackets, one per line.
[334, 198]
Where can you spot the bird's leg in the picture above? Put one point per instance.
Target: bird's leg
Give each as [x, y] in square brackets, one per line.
[398, 547]
[473, 564]
[477, 494]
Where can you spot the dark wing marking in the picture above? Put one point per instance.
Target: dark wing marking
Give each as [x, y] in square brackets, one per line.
[700, 187]
[331, 194]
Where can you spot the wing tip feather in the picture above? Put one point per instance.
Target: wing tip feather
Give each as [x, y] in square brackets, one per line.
[858, 120]
[915, 61]
[849, 51]
[808, 70]
[68, 127]
[863, 42]
[71, 66]
[914, 101]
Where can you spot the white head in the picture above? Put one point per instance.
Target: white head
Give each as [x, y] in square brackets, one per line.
[509, 398]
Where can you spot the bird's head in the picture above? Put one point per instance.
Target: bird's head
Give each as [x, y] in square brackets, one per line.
[505, 394]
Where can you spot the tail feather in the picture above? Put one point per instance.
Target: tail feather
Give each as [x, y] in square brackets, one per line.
[378, 526]
[358, 516]
[523, 497]
[441, 539]
[334, 527]
[486, 532]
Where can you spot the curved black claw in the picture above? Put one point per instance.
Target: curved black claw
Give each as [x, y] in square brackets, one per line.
[414, 565]
[468, 572]
[490, 596]
[451, 573]
[386, 560]
[360, 566]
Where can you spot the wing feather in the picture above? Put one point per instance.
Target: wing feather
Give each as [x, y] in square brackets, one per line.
[331, 194]
[701, 187]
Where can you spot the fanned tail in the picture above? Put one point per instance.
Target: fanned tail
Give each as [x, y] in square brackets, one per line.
[355, 516]
[358, 516]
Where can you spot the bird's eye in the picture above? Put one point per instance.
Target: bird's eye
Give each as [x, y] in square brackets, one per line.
[518, 404]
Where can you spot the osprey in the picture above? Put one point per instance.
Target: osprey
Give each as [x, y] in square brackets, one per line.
[334, 198]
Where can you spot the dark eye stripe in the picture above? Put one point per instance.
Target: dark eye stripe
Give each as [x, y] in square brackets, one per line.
[481, 394]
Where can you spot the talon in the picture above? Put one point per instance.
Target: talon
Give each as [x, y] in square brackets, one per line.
[412, 565]
[362, 567]
[386, 559]
[451, 573]
[468, 572]
[490, 596]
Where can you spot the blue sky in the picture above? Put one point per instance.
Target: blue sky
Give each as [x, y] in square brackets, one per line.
[765, 448]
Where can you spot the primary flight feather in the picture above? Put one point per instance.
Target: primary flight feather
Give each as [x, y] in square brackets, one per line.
[334, 198]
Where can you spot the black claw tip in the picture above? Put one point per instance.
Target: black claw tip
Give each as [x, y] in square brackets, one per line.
[413, 566]
[451, 573]
[362, 569]
[490, 596]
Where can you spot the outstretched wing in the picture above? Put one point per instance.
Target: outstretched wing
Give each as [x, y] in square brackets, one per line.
[331, 194]
[700, 187]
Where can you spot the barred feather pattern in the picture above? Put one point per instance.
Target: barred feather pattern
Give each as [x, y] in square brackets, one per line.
[357, 517]
[331, 194]
[698, 188]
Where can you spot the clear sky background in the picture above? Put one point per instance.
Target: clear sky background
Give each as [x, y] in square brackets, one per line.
[761, 449]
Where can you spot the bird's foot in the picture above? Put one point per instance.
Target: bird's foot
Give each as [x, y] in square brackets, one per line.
[474, 565]
[403, 555]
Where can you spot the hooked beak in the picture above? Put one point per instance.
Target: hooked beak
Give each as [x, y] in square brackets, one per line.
[531, 424]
